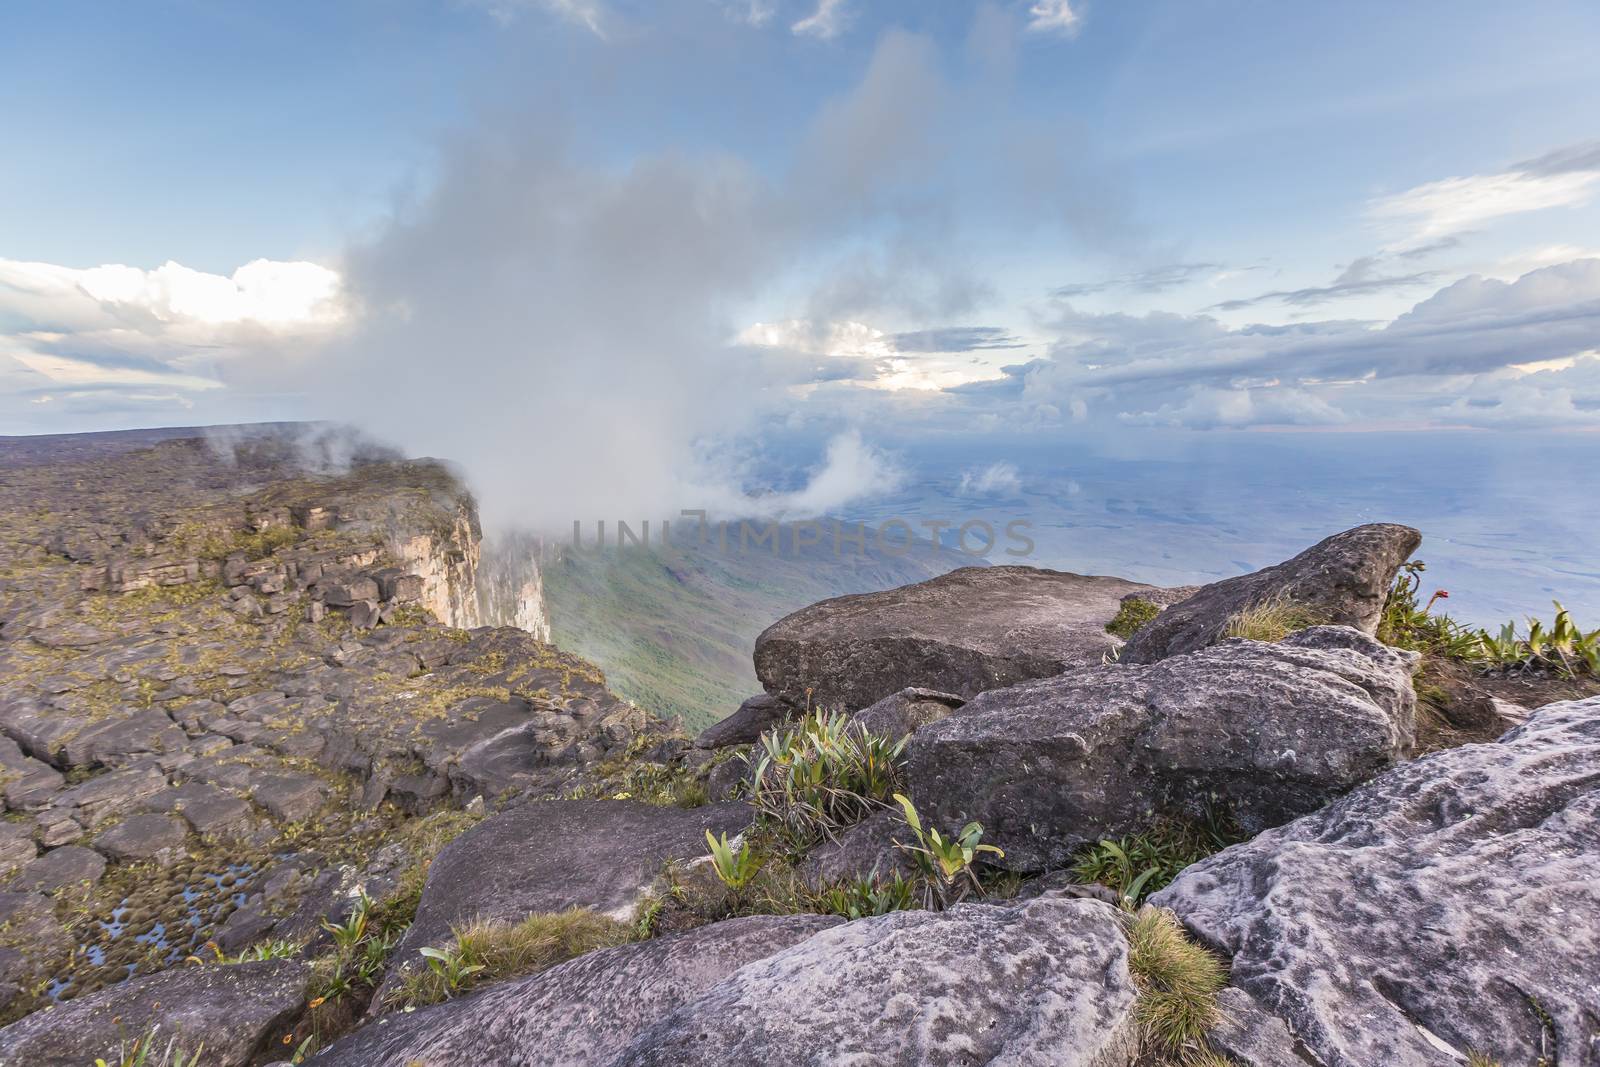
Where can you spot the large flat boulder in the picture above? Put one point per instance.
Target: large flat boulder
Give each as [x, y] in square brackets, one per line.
[553, 855]
[1458, 893]
[974, 629]
[1342, 580]
[235, 1011]
[1045, 983]
[1262, 732]
[578, 1012]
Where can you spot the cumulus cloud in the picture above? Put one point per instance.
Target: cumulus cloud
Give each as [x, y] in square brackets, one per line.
[121, 338]
[1427, 213]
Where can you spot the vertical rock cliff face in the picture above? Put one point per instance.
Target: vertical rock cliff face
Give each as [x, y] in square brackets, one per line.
[467, 582]
[511, 585]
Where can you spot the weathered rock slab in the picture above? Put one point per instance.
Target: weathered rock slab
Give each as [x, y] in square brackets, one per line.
[1341, 580]
[549, 856]
[1045, 984]
[1459, 892]
[755, 716]
[233, 1010]
[1262, 732]
[579, 1012]
[974, 629]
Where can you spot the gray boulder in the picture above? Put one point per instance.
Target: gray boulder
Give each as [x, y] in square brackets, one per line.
[236, 1011]
[1263, 732]
[866, 850]
[1342, 580]
[974, 629]
[905, 712]
[579, 1012]
[1046, 983]
[1459, 893]
[553, 855]
[755, 716]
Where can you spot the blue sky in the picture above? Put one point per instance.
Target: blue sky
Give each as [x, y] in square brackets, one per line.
[1085, 216]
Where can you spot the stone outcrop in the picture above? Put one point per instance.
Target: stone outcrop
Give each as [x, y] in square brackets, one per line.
[755, 716]
[972, 630]
[1458, 894]
[234, 1011]
[1342, 580]
[579, 1012]
[549, 856]
[1045, 983]
[900, 714]
[1263, 732]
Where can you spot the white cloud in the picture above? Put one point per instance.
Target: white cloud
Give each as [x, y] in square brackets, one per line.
[825, 23]
[1438, 209]
[752, 12]
[89, 335]
[586, 13]
[997, 479]
[871, 354]
[1054, 16]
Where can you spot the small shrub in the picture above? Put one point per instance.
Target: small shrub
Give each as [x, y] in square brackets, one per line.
[1269, 620]
[1131, 617]
[269, 950]
[1178, 983]
[822, 775]
[946, 864]
[486, 951]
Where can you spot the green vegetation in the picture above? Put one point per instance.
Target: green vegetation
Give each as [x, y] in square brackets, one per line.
[1562, 648]
[485, 951]
[945, 864]
[1269, 620]
[1132, 616]
[822, 775]
[269, 950]
[735, 868]
[1478, 1059]
[1140, 864]
[857, 898]
[1178, 983]
[140, 1052]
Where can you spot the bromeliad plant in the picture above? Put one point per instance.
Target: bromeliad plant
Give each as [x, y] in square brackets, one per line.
[1409, 623]
[1563, 648]
[946, 864]
[735, 867]
[821, 775]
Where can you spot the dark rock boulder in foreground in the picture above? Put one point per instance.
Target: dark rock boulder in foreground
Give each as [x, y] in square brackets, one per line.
[965, 632]
[1460, 893]
[1046, 983]
[553, 855]
[235, 1011]
[1267, 732]
[579, 1012]
[1342, 580]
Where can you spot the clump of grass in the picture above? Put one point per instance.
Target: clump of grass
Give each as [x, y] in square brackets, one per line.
[1478, 1059]
[1269, 620]
[814, 779]
[485, 951]
[1131, 617]
[1178, 983]
[1140, 864]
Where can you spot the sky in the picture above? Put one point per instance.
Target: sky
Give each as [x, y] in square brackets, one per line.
[596, 250]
